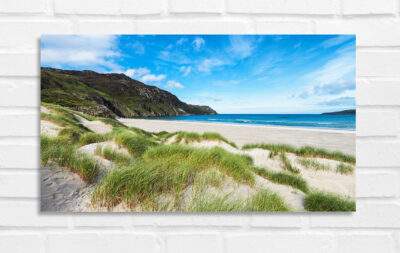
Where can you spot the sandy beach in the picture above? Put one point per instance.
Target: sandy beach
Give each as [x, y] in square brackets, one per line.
[333, 140]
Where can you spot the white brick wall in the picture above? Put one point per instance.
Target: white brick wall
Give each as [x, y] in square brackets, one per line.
[375, 227]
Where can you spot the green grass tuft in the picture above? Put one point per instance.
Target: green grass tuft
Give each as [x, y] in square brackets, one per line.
[64, 154]
[90, 137]
[305, 151]
[136, 144]
[311, 163]
[189, 137]
[266, 201]
[212, 203]
[118, 158]
[211, 177]
[287, 165]
[237, 166]
[345, 169]
[328, 202]
[283, 178]
[168, 169]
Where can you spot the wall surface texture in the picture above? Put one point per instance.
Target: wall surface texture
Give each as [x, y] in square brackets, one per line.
[375, 227]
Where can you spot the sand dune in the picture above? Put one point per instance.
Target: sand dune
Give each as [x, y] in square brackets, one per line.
[243, 134]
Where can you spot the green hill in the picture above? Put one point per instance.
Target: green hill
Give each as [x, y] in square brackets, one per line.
[111, 95]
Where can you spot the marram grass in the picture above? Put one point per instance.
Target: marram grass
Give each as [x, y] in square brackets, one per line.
[168, 169]
[117, 157]
[343, 168]
[59, 150]
[189, 137]
[262, 201]
[287, 165]
[313, 164]
[305, 151]
[285, 178]
[328, 202]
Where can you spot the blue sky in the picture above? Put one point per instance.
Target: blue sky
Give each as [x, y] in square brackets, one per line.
[230, 73]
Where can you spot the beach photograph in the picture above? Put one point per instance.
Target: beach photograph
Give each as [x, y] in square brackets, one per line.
[198, 123]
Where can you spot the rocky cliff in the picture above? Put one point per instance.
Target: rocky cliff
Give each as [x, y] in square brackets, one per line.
[110, 95]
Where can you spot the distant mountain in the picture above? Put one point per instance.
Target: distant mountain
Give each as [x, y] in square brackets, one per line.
[110, 95]
[345, 112]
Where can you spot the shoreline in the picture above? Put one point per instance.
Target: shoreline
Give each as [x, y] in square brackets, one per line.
[333, 130]
[241, 134]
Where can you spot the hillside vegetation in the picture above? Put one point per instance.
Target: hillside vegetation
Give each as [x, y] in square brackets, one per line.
[110, 95]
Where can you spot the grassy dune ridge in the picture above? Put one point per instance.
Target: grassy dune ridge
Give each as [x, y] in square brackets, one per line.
[160, 175]
[305, 151]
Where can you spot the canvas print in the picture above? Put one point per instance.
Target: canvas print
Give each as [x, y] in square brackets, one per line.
[197, 123]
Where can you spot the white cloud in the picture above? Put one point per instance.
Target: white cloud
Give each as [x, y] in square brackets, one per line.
[136, 73]
[138, 48]
[174, 56]
[171, 84]
[181, 41]
[152, 78]
[241, 46]
[336, 77]
[185, 70]
[88, 51]
[207, 64]
[198, 42]
[336, 41]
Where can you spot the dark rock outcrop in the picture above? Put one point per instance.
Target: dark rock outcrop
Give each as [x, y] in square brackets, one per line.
[345, 112]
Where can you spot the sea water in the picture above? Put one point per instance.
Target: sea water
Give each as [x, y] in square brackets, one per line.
[343, 122]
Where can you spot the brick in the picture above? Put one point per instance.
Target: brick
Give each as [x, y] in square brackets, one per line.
[19, 185]
[87, 7]
[105, 27]
[318, 7]
[276, 220]
[27, 214]
[376, 184]
[27, 89]
[369, 7]
[19, 64]
[221, 220]
[377, 92]
[142, 7]
[26, 34]
[365, 243]
[193, 243]
[377, 154]
[368, 215]
[11, 154]
[164, 220]
[98, 220]
[370, 32]
[377, 123]
[31, 243]
[102, 242]
[193, 27]
[283, 27]
[184, 220]
[282, 243]
[199, 6]
[378, 63]
[22, 6]
[20, 124]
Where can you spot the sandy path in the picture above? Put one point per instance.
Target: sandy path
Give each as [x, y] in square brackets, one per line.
[344, 141]
[96, 126]
[49, 128]
[62, 190]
